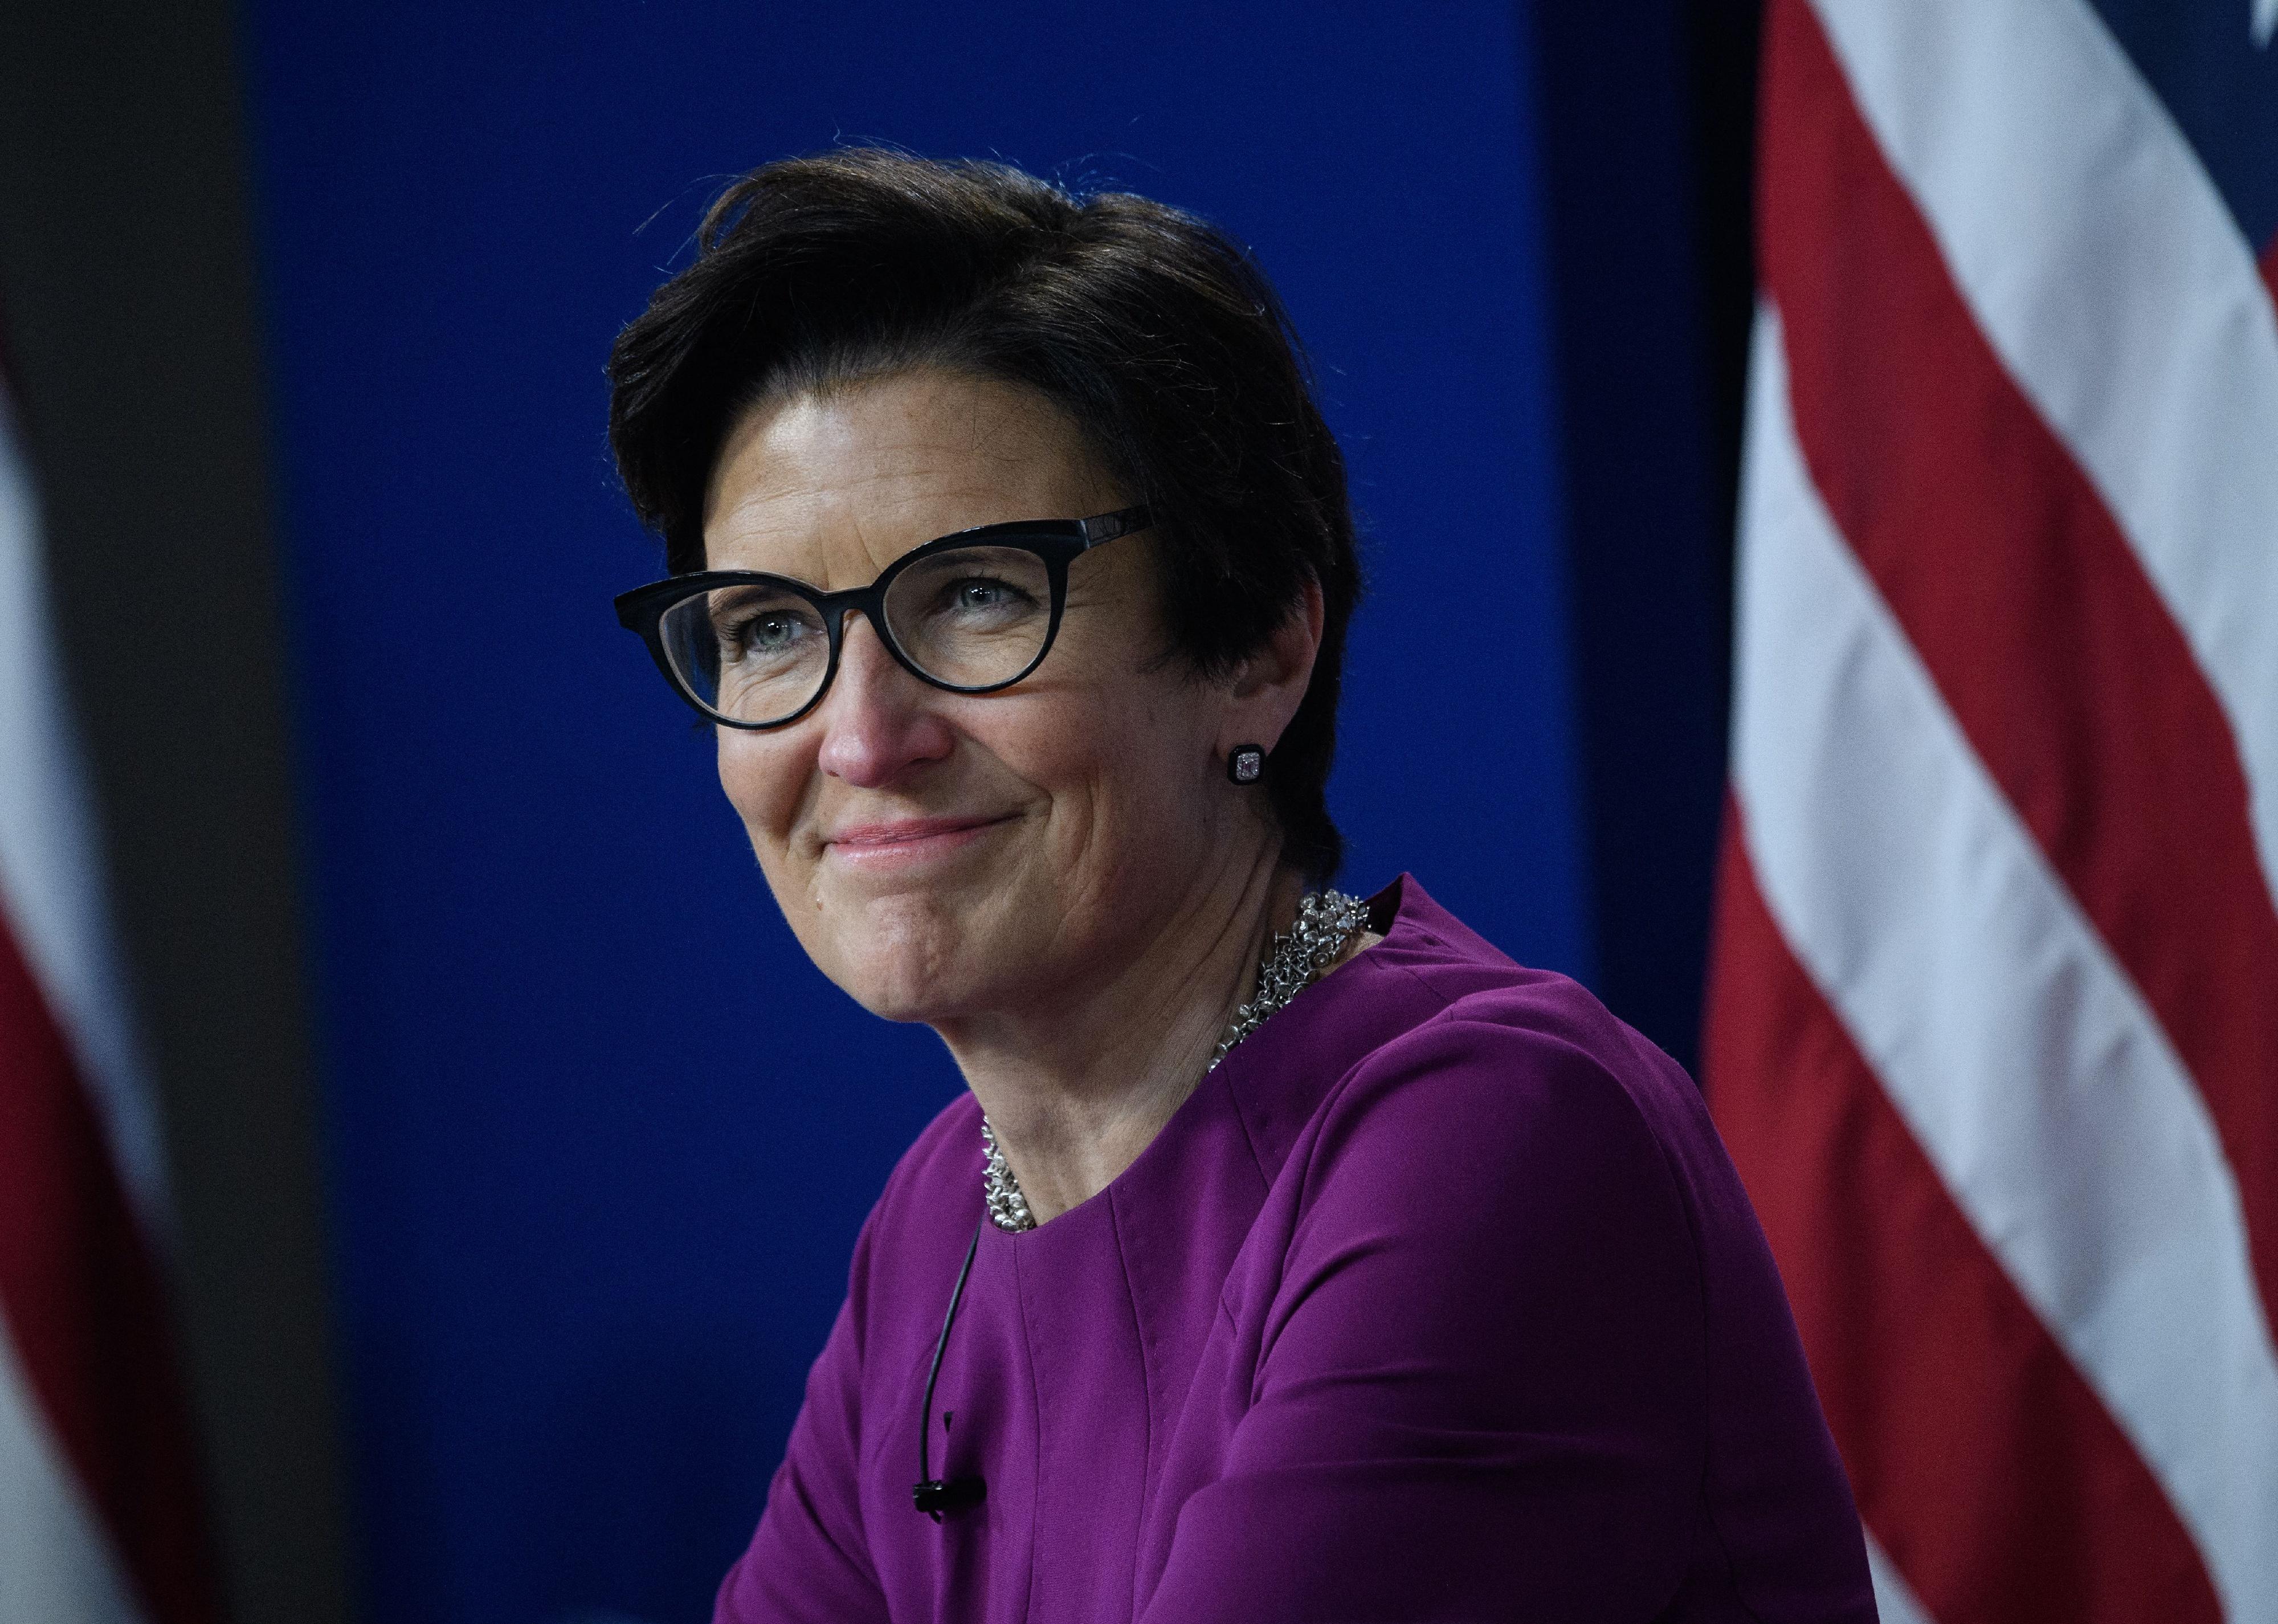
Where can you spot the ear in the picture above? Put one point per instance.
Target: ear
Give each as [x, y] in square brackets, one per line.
[1269, 685]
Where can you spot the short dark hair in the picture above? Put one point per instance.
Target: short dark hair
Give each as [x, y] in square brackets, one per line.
[1157, 334]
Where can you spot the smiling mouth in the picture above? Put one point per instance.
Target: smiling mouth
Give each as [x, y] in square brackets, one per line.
[907, 837]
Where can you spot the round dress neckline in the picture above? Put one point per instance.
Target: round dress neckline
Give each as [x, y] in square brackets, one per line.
[1223, 1076]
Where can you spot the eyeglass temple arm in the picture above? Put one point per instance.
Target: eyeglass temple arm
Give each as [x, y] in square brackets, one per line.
[1108, 526]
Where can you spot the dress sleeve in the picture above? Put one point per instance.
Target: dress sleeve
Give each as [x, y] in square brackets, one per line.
[1480, 1390]
[809, 1561]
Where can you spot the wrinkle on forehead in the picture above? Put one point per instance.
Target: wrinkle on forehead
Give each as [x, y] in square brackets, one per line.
[830, 487]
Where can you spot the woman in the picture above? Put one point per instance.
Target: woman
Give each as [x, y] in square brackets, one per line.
[1290, 1257]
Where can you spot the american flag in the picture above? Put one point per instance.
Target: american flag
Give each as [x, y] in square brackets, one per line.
[100, 1516]
[1993, 1029]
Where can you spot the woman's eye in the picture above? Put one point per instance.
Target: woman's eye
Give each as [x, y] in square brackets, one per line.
[763, 632]
[980, 594]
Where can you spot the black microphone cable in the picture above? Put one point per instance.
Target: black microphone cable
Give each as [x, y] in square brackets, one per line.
[933, 1495]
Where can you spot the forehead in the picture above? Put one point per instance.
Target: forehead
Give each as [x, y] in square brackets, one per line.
[830, 487]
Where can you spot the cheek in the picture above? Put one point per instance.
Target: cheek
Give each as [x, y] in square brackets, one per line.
[762, 784]
[1120, 761]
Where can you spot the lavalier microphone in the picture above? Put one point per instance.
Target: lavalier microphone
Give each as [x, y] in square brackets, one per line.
[936, 1496]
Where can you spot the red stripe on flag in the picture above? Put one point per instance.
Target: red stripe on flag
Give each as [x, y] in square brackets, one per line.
[83, 1305]
[2033, 614]
[1989, 1471]
[2270, 269]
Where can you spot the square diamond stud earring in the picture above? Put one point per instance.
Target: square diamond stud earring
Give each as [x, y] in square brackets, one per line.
[1247, 764]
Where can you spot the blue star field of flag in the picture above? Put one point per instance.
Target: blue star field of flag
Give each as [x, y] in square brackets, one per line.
[2215, 65]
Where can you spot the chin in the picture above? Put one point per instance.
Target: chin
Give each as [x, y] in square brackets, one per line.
[918, 994]
[906, 958]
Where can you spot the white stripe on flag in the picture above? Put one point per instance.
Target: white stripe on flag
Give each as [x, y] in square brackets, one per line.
[2103, 267]
[56, 1565]
[2019, 1055]
[1893, 1600]
[50, 866]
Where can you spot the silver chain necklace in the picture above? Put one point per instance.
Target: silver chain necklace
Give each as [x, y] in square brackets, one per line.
[1326, 920]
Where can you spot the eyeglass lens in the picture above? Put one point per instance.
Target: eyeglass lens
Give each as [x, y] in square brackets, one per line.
[972, 617]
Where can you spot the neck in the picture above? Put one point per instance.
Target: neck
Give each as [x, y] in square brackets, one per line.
[1075, 1089]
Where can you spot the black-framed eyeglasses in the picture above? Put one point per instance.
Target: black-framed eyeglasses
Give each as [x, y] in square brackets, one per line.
[971, 612]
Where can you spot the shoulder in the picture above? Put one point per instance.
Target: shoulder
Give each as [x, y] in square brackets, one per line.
[1461, 979]
[1486, 1094]
[1488, 1049]
[919, 1227]
[1510, 1096]
[1489, 1189]
[941, 1165]
[1434, 983]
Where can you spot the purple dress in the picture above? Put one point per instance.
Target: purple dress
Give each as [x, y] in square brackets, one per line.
[1438, 1299]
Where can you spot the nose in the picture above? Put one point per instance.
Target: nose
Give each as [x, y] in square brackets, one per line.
[878, 721]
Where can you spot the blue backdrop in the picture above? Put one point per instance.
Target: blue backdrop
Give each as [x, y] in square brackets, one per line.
[599, 1138]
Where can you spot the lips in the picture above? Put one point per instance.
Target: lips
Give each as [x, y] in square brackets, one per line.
[904, 832]
[906, 848]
